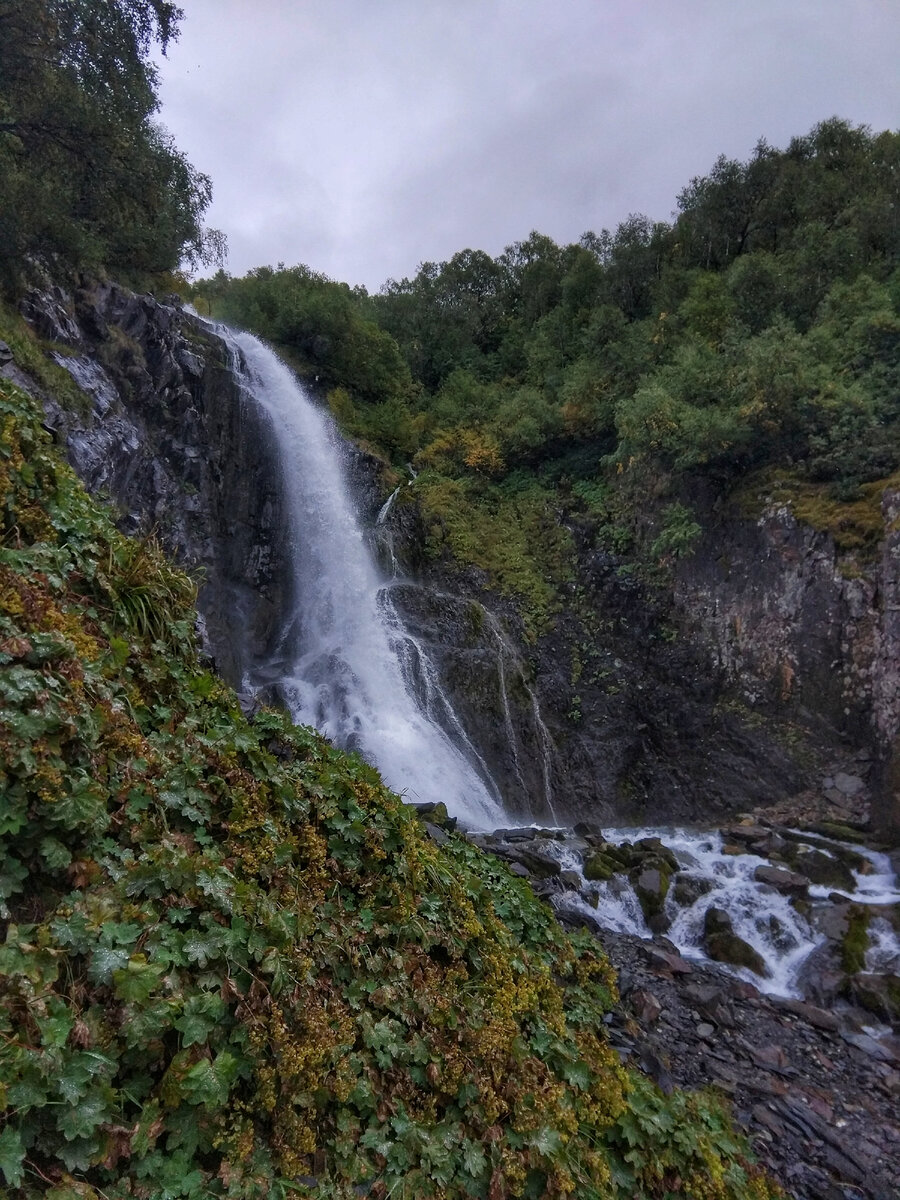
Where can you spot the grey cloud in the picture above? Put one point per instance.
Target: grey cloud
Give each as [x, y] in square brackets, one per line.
[363, 138]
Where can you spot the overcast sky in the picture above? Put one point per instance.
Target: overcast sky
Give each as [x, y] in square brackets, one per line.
[362, 137]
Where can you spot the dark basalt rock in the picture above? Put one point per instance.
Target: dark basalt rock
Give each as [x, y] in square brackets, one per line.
[170, 438]
[789, 882]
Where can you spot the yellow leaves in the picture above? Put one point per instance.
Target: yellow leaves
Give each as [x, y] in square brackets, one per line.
[482, 452]
[474, 448]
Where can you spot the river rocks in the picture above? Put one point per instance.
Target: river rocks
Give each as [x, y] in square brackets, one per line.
[822, 1111]
[652, 885]
[687, 888]
[820, 867]
[723, 945]
[600, 867]
[877, 994]
[781, 880]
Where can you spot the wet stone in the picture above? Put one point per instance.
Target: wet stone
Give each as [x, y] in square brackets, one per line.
[439, 836]
[876, 1048]
[599, 868]
[848, 785]
[571, 880]
[526, 834]
[819, 1017]
[788, 882]
[687, 889]
[645, 1006]
[878, 994]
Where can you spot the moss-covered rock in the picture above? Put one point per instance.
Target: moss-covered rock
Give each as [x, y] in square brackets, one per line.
[855, 941]
[723, 945]
[600, 867]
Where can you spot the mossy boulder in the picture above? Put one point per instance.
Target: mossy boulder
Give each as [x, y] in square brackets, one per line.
[600, 867]
[651, 886]
[723, 945]
[687, 888]
[855, 941]
[819, 866]
[878, 994]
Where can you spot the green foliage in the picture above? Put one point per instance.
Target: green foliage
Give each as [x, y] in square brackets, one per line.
[231, 959]
[677, 534]
[592, 385]
[87, 177]
[321, 323]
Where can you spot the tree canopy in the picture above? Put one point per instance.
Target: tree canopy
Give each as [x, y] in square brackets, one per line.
[87, 176]
[759, 330]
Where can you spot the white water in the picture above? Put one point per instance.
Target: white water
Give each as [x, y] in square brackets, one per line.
[760, 915]
[354, 673]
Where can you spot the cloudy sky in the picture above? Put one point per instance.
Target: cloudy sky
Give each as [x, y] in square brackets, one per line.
[362, 137]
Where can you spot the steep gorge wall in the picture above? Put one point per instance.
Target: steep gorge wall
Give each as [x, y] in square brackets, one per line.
[764, 667]
[168, 436]
[793, 626]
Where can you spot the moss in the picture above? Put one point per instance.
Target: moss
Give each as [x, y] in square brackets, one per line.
[855, 941]
[32, 355]
[856, 526]
[599, 867]
[513, 536]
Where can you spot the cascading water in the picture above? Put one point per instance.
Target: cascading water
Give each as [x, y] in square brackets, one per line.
[763, 917]
[351, 669]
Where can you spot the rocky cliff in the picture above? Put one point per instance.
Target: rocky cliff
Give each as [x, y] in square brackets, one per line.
[169, 437]
[764, 670]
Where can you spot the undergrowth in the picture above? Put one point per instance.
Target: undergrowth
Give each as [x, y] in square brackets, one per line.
[232, 965]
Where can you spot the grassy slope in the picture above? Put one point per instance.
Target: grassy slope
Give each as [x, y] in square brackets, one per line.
[231, 959]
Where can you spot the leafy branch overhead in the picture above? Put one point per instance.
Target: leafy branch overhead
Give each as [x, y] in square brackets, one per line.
[88, 178]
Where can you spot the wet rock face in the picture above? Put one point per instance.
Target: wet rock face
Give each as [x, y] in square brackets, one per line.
[482, 672]
[786, 628]
[169, 437]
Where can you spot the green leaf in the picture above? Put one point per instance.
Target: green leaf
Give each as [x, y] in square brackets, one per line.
[546, 1141]
[201, 1015]
[578, 1074]
[55, 854]
[12, 1154]
[200, 947]
[135, 982]
[105, 960]
[80, 1120]
[209, 1083]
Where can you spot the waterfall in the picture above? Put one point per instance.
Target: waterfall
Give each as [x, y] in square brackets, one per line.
[347, 656]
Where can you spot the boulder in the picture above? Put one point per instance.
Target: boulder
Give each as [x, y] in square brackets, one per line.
[723, 945]
[688, 888]
[877, 994]
[788, 882]
[820, 867]
[651, 884]
[599, 867]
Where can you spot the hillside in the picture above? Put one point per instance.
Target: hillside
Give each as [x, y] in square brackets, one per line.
[234, 965]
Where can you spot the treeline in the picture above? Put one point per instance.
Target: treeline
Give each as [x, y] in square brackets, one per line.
[761, 327]
[88, 179]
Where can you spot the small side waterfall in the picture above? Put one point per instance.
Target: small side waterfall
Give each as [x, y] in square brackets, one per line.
[349, 663]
